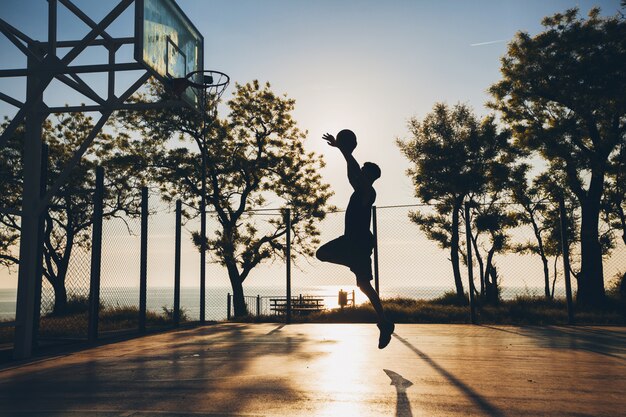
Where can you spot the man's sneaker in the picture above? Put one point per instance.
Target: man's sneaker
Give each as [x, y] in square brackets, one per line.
[386, 330]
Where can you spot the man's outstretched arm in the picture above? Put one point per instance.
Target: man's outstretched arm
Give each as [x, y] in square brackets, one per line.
[354, 170]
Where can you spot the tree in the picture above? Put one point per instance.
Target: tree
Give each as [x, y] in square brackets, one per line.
[253, 157]
[532, 207]
[537, 207]
[453, 155]
[490, 218]
[68, 218]
[562, 94]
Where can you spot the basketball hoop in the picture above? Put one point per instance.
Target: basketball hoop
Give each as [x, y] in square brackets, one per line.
[205, 85]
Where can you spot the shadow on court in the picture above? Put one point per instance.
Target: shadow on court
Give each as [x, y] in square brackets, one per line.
[403, 405]
[602, 341]
[477, 399]
[302, 370]
[214, 367]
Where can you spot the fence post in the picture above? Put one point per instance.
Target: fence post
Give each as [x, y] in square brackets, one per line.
[375, 233]
[40, 242]
[96, 255]
[566, 266]
[177, 252]
[288, 261]
[228, 306]
[203, 247]
[143, 268]
[258, 305]
[470, 271]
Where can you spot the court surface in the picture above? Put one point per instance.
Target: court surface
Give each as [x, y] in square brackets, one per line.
[331, 370]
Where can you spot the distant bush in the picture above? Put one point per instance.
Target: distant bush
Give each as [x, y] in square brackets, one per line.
[451, 298]
[169, 313]
[617, 286]
[76, 304]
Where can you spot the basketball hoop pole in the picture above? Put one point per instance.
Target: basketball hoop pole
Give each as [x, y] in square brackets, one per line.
[43, 66]
[29, 234]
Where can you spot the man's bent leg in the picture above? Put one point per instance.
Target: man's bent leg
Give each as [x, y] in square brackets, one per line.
[370, 292]
[385, 326]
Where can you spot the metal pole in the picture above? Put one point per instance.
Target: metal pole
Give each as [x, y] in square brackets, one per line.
[177, 253]
[42, 219]
[375, 233]
[566, 266]
[203, 239]
[288, 262]
[52, 27]
[470, 271]
[96, 255]
[143, 268]
[228, 306]
[258, 305]
[29, 236]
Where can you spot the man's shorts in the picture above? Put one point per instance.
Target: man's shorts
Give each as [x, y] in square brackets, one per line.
[353, 252]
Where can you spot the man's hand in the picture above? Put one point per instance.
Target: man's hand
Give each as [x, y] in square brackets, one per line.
[330, 139]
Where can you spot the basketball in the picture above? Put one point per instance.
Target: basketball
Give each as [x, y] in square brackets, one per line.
[346, 139]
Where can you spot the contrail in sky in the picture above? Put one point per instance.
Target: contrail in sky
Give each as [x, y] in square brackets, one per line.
[488, 43]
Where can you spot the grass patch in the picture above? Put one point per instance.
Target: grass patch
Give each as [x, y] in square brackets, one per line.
[112, 319]
[446, 309]
[449, 309]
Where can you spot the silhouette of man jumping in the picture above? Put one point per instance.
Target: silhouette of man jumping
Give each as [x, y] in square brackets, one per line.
[354, 248]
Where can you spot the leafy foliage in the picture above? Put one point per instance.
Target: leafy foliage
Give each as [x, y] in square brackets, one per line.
[455, 157]
[562, 95]
[68, 218]
[254, 158]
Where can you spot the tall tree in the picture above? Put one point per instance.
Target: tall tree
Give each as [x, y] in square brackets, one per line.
[562, 93]
[254, 157]
[453, 155]
[68, 219]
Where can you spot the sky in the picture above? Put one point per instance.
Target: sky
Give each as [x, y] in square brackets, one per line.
[364, 65]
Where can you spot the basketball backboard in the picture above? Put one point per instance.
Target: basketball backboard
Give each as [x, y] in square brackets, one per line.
[168, 44]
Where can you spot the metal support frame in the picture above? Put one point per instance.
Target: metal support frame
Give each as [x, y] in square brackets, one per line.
[44, 66]
[29, 237]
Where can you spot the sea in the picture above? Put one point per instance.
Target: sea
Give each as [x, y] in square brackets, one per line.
[216, 299]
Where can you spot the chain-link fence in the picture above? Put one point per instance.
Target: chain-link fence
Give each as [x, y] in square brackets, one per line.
[64, 308]
[416, 265]
[119, 282]
[411, 262]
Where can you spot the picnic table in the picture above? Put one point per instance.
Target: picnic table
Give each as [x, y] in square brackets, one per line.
[302, 304]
